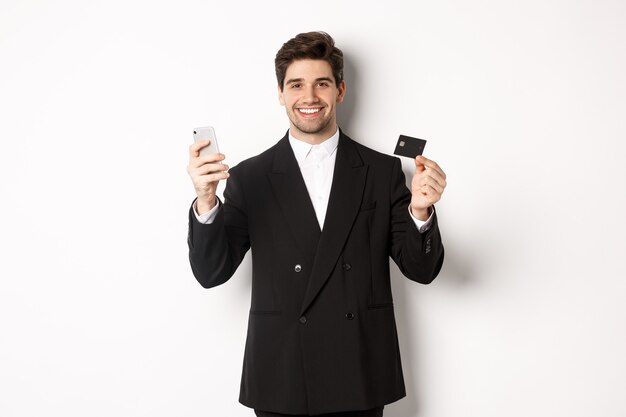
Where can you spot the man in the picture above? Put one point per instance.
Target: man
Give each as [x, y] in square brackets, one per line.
[322, 215]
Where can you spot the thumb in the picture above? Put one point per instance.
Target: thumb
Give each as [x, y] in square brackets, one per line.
[419, 164]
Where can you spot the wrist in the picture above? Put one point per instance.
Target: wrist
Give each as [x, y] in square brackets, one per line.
[204, 205]
[420, 213]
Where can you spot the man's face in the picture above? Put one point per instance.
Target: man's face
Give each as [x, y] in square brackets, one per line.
[309, 96]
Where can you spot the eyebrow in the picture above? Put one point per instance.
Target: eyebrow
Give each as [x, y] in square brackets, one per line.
[299, 80]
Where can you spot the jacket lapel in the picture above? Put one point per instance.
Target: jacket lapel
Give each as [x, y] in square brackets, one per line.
[345, 199]
[293, 198]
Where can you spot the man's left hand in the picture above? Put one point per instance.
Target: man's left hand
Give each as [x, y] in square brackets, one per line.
[427, 185]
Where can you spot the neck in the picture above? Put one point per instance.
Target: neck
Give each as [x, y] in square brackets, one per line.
[313, 138]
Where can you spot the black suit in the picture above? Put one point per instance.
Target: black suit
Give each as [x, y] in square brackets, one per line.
[321, 333]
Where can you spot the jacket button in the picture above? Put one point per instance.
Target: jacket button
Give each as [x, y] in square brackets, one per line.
[297, 268]
[303, 319]
[346, 267]
[350, 316]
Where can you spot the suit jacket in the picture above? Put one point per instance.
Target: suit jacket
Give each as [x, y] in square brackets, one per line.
[321, 332]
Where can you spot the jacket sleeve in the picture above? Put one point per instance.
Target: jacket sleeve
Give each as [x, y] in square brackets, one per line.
[217, 249]
[418, 255]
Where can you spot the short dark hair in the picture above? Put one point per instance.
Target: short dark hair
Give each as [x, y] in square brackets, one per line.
[309, 45]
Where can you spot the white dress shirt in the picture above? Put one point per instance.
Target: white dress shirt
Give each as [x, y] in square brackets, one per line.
[317, 165]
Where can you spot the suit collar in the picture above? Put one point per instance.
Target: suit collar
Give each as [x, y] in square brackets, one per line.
[301, 149]
[293, 198]
[284, 158]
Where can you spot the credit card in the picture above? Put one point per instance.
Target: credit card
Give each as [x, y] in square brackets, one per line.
[409, 147]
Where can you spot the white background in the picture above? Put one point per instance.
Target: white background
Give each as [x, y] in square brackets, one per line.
[523, 104]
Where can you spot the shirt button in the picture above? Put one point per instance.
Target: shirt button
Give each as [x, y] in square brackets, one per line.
[350, 316]
[297, 268]
[346, 267]
[303, 319]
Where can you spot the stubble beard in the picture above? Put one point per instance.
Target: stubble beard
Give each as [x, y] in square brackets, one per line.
[310, 127]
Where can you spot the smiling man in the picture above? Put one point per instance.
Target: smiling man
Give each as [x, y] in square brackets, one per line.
[322, 215]
[310, 94]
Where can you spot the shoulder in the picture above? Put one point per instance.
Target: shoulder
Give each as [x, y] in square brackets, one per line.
[370, 156]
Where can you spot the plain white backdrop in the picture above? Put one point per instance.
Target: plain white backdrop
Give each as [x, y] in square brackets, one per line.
[523, 105]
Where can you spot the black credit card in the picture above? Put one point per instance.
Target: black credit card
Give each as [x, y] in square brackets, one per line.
[409, 147]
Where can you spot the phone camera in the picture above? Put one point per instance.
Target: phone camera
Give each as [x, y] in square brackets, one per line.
[194, 132]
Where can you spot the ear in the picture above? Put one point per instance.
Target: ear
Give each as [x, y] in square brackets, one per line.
[281, 99]
[341, 91]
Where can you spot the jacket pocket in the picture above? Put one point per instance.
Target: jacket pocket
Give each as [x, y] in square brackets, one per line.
[368, 206]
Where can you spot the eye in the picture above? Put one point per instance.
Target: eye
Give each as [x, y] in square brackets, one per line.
[323, 83]
[296, 85]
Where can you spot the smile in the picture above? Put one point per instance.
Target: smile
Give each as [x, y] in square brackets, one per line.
[310, 111]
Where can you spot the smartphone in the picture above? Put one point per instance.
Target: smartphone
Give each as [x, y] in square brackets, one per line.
[204, 133]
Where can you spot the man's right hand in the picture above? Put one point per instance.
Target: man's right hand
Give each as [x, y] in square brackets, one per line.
[205, 173]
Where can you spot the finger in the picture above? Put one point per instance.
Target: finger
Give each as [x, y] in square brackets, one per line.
[195, 147]
[435, 185]
[195, 169]
[419, 166]
[436, 176]
[430, 181]
[207, 159]
[213, 177]
[430, 164]
[421, 159]
[213, 157]
[210, 168]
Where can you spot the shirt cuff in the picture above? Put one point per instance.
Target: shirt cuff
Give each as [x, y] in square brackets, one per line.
[209, 216]
[422, 226]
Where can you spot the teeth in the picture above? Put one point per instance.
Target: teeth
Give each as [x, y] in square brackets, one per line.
[309, 111]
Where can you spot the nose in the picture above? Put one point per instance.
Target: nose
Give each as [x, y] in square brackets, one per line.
[309, 95]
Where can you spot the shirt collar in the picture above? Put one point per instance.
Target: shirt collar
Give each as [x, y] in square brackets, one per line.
[301, 149]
